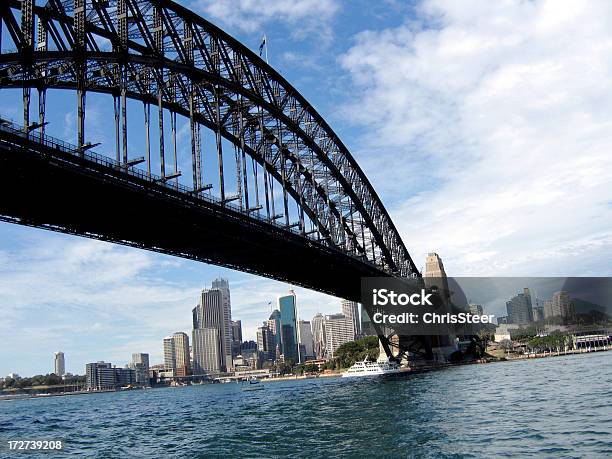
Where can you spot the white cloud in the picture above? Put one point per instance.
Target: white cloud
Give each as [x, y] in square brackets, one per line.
[497, 122]
[302, 16]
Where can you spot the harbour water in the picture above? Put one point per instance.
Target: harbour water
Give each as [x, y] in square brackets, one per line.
[553, 407]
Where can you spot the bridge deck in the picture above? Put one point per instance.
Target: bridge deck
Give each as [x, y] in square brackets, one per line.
[48, 184]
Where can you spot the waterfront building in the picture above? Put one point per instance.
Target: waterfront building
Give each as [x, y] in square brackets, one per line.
[305, 340]
[206, 355]
[318, 335]
[59, 363]
[169, 354]
[214, 311]
[140, 364]
[182, 359]
[350, 310]
[519, 308]
[505, 332]
[288, 326]
[338, 330]
[103, 376]
[476, 309]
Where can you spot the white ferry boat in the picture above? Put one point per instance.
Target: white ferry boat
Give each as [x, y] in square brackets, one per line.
[367, 368]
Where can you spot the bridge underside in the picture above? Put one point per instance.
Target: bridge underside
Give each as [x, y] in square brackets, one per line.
[51, 189]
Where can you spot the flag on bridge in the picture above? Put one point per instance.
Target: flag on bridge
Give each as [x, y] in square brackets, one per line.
[261, 47]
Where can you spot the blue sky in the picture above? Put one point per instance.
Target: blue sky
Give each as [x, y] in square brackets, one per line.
[486, 128]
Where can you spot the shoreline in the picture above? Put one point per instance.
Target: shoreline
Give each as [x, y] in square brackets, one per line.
[404, 372]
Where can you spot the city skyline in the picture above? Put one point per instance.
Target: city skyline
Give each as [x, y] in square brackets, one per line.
[462, 188]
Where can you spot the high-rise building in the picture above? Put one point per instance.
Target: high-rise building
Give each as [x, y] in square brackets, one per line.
[214, 311]
[338, 330]
[350, 310]
[182, 358]
[519, 308]
[266, 344]
[288, 326]
[236, 337]
[274, 324]
[476, 309]
[59, 364]
[169, 355]
[140, 364]
[305, 340]
[367, 329]
[562, 305]
[206, 357]
[318, 335]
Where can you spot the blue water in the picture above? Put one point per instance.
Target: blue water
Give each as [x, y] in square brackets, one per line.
[553, 407]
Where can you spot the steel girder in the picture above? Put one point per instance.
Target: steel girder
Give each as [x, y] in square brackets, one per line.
[163, 54]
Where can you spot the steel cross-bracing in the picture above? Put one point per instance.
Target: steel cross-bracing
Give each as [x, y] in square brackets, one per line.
[292, 181]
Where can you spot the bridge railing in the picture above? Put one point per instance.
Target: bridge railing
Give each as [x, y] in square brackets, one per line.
[73, 150]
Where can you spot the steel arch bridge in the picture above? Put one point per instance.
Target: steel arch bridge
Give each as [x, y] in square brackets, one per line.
[323, 227]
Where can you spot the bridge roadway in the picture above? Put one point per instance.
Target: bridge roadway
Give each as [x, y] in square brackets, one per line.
[49, 184]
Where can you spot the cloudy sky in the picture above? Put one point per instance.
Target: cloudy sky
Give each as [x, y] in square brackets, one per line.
[486, 128]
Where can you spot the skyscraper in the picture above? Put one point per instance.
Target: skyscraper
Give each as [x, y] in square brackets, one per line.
[338, 330]
[59, 364]
[266, 345]
[182, 358]
[318, 335]
[214, 311]
[476, 309]
[169, 355]
[236, 337]
[349, 309]
[206, 357]
[305, 340]
[274, 324]
[519, 308]
[288, 326]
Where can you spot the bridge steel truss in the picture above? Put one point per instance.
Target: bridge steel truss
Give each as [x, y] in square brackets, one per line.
[172, 60]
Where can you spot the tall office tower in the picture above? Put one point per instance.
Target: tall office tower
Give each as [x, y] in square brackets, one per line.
[59, 364]
[169, 355]
[206, 356]
[266, 345]
[519, 308]
[562, 305]
[548, 309]
[367, 329]
[236, 337]
[226, 335]
[318, 335]
[338, 330]
[181, 350]
[214, 311]
[140, 364]
[274, 324]
[288, 326]
[350, 310]
[305, 340]
[476, 309]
